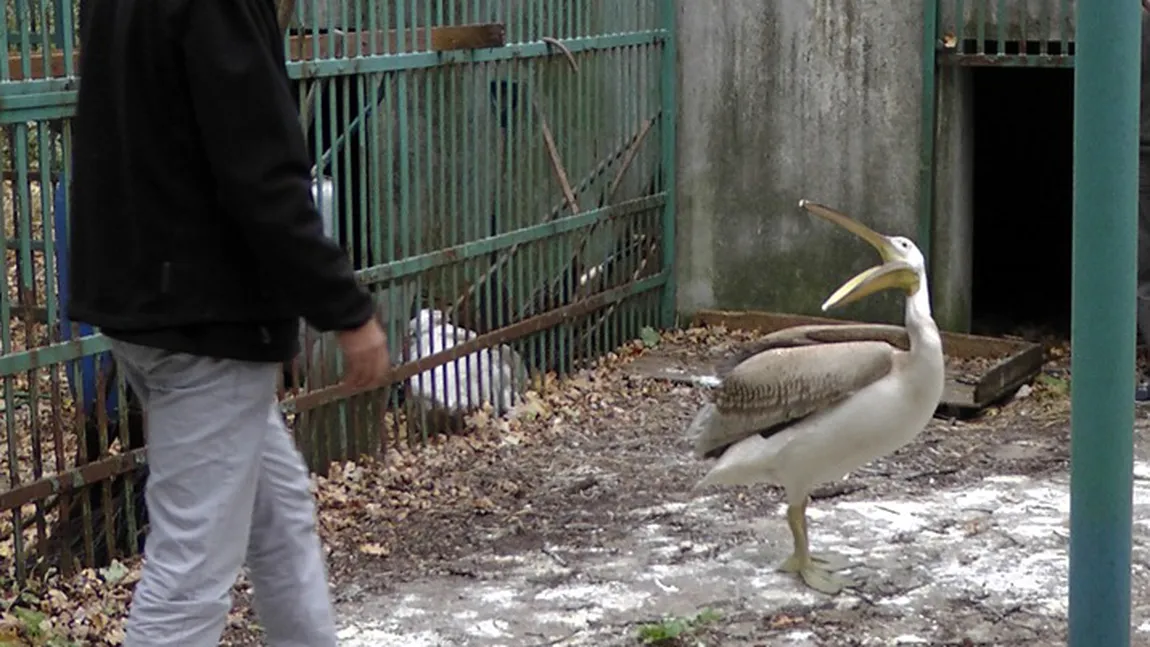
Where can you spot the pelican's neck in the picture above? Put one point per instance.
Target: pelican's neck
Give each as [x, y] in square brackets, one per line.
[919, 323]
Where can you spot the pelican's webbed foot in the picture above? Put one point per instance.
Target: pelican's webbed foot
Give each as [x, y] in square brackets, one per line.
[830, 562]
[816, 570]
[821, 579]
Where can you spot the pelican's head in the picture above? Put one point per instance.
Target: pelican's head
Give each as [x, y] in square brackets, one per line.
[903, 267]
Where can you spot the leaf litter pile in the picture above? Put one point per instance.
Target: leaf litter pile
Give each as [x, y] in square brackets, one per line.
[564, 461]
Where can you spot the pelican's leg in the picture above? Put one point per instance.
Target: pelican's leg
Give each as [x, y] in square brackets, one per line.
[828, 560]
[817, 573]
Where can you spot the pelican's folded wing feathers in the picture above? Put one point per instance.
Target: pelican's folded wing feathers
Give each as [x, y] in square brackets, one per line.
[784, 383]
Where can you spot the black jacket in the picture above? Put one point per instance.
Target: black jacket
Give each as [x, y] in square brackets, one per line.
[193, 224]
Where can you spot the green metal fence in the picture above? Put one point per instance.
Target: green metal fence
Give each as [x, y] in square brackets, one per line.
[498, 170]
[1005, 32]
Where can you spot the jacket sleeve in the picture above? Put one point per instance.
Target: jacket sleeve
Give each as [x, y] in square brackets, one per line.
[250, 130]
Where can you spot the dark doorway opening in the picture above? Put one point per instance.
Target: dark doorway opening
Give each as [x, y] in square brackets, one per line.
[1022, 200]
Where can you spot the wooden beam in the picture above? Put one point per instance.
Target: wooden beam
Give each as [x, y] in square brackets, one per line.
[36, 71]
[33, 176]
[422, 39]
[303, 47]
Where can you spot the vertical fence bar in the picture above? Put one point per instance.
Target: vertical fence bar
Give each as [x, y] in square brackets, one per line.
[79, 422]
[667, 143]
[926, 147]
[4, 46]
[1106, 100]
[10, 428]
[23, 20]
[980, 13]
[1046, 28]
[63, 502]
[959, 21]
[343, 172]
[43, 16]
[1064, 19]
[1000, 28]
[29, 298]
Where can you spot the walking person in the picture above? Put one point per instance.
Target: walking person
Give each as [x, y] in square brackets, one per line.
[196, 247]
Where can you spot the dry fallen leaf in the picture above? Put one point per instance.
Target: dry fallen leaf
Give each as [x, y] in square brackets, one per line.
[782, 620]
[375, 550]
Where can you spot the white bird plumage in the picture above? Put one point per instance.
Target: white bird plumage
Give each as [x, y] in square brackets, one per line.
[492, 376]
[816, 402]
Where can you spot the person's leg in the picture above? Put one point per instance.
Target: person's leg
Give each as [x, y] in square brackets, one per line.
[207, 428]
[285, 558]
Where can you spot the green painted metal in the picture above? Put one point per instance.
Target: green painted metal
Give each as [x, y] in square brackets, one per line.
[19, 103]
[670, 70]
[1106, 100]
[929, 107]
[420, 263]
[1006, 33]
[978, 60]
[448, 176]
[17, 362]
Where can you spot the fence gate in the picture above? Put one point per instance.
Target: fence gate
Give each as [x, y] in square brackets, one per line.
[498, 170]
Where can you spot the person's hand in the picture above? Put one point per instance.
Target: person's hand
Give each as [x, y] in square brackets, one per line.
[365, 354]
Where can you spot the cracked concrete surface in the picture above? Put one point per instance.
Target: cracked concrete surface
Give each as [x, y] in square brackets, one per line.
[991, 555]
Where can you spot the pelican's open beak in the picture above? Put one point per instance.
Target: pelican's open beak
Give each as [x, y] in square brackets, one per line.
[893, 273]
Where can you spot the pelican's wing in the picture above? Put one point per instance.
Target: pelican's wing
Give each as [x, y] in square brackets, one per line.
[817, 334]
[792, 374]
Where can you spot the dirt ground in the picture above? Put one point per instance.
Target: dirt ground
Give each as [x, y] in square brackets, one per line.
[573, 525]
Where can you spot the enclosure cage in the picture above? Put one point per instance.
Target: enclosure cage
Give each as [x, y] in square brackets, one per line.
[498, 171]
[996, 158]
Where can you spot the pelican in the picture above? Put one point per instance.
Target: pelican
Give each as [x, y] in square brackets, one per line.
[812, 403]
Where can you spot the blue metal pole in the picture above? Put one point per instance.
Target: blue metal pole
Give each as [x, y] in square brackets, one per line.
[1106, 100]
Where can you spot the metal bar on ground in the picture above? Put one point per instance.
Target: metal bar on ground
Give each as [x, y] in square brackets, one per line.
[1106, 109]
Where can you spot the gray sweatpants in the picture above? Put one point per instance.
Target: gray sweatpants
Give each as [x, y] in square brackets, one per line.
[226, 484]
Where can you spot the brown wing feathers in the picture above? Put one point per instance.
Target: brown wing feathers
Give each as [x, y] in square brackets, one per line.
[794, 378]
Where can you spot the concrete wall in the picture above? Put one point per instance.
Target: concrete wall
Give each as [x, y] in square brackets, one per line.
[816, 99]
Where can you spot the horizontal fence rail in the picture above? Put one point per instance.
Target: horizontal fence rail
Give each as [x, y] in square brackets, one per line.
[498, 171]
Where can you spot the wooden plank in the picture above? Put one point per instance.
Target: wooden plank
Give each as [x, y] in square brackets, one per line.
[72, 479]
[303, 47]
[1007, 376]
[435, 39]
[1017, 362]
[958, 345]
[36, 61]
[33, 176]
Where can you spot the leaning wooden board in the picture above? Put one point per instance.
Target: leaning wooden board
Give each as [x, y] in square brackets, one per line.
[980, 370]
